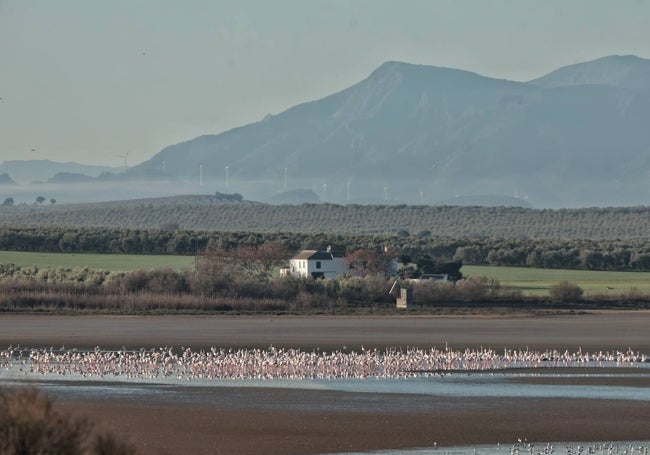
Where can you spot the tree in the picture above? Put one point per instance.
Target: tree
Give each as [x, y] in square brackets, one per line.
[452, 269]
[40, 200]
[428, 265]
[8, 202]
[470, 254]
[371, 262]
[591, 260]
[244, 260]
[181, 244]
[640, 261]
[270, 255]
[52, 201]
[404, 258]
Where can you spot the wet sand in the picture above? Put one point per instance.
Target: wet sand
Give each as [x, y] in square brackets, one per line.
[279, 421]
[169, 428]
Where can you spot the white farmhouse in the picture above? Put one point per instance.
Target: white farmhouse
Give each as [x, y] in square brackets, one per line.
[316, 264]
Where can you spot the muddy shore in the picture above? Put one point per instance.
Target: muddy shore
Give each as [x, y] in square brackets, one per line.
[598, 330]
[363, 422]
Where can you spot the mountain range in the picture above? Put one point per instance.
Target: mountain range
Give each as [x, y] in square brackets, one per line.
[419, 134]
[578, 136]
[28, 171]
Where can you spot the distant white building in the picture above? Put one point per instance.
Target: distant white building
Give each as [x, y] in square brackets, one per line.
[316, 264]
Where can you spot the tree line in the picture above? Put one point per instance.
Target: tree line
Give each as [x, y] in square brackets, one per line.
[541, 253]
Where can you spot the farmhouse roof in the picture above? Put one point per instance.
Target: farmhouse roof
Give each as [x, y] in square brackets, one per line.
[314, 254]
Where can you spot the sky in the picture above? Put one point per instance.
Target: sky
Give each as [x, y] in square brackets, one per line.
[93, 80]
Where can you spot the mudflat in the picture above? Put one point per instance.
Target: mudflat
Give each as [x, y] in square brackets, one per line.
[235, 420]
[596, 330]
[279, 421]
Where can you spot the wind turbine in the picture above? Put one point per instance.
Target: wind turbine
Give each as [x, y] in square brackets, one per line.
[227, 169]
[124, 157]
[386, 192]
[200, 174]
[349, 183]
[286, 178]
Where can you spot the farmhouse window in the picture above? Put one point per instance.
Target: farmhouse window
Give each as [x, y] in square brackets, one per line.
[318, 264]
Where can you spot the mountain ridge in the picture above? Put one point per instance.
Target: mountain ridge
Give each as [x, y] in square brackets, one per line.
[444, 132]
[624, 71]
[419, 134]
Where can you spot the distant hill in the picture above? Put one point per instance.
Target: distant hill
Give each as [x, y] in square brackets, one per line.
[26, 171]
[624, 71]
[576, 137]
[69, 177]
[5, 179]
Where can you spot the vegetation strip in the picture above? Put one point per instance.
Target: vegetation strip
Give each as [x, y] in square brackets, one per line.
[611, 254]
[447, 221]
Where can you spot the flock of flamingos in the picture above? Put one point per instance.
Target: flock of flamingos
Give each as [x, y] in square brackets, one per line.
[275, 363]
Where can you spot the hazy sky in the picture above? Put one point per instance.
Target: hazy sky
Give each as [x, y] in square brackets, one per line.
[89, 80]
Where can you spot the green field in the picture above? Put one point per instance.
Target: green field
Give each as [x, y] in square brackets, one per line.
[537, 281]
[118, 262]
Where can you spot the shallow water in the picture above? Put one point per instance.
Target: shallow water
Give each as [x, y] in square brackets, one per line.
[532, 448]
[451, 385]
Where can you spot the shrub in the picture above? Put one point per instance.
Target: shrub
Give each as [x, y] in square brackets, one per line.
[29, 425]
[472, 289]
[429, 291]
[565, 292]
